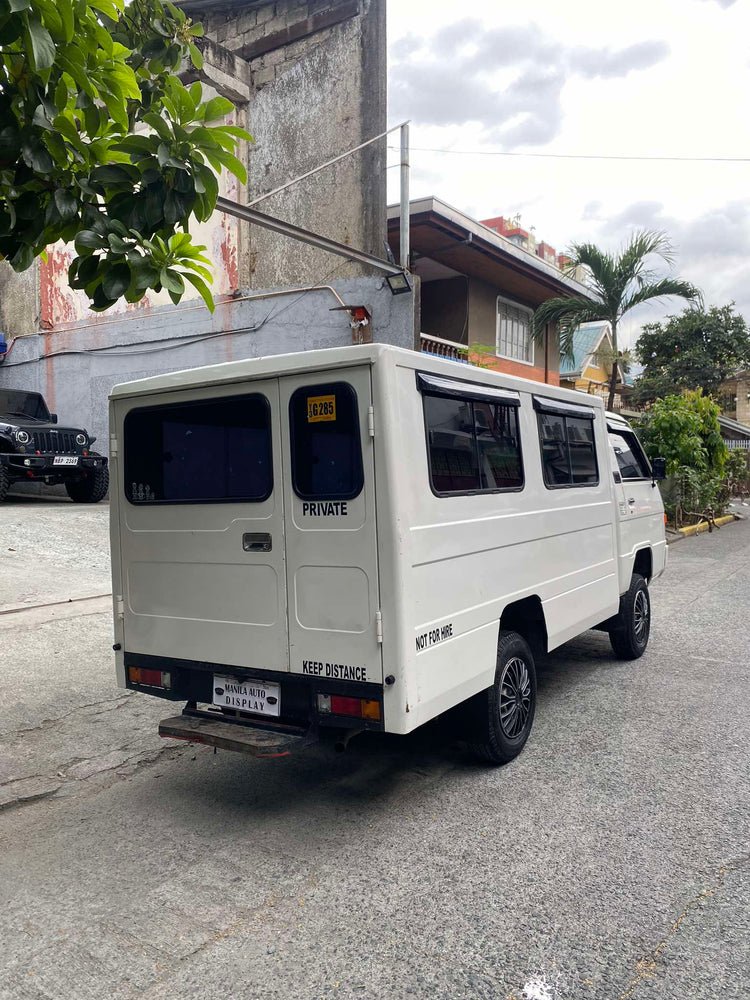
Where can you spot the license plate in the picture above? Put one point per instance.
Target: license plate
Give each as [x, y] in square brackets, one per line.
[259, 697]
[65, 460]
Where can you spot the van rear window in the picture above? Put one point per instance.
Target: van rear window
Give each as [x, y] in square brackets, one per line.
[326, 446]
[210, 451]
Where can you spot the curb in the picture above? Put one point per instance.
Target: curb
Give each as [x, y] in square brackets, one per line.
[697, 529]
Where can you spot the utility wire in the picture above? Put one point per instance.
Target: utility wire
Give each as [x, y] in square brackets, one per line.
[581, 156]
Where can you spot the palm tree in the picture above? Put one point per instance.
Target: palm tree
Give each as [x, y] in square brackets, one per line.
[618, 282]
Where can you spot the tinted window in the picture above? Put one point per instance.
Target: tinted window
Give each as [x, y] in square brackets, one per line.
[27, 404]
[451, 445]
[498, 446]
[204, 452]
[568, 451]
[582, 452]
[630, 458]
[326, 447]
[472, 446]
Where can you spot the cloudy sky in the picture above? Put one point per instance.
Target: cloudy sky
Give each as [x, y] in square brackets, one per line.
[649, 78]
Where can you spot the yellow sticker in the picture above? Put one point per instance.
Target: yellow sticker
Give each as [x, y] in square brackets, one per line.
[321, 408]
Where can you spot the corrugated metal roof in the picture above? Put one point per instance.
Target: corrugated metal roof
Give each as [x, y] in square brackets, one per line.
[585, 341]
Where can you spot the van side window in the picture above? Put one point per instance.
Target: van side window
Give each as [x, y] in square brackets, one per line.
[208, 451]
[631, 460]
[325, 440]
[568, 450]
[473, 446]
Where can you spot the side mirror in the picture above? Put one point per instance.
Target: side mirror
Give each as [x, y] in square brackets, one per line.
[658, 469]
[53, 418]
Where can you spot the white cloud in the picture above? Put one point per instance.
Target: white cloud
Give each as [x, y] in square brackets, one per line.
[452, 78]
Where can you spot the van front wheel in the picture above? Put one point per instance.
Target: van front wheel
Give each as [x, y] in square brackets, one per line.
[504, 713]
[631, 626]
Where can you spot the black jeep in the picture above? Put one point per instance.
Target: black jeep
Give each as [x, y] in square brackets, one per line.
[33, 449]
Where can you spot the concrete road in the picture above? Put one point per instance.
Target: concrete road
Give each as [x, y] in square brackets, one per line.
[611, 860]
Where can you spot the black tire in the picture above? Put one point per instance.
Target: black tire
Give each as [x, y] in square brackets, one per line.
[502, 716]
[92, 489]
[631, 626]
[4, 483]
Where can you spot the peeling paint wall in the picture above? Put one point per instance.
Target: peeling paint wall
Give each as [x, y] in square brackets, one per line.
[123, 348]
[314, 98]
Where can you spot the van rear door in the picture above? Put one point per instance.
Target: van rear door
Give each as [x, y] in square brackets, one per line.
[201, 525]
[331, 533]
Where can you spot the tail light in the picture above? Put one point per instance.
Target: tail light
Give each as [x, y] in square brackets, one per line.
[357, 708]
[151, 678]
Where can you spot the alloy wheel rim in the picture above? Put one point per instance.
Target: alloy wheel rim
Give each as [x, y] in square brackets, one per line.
[640, 615]
[515, 697]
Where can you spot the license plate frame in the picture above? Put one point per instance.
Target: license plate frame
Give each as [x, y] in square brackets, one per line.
[65, 460]
[247, 694]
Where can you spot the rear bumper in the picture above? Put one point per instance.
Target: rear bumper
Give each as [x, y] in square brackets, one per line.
[193, 681]
[42, 466]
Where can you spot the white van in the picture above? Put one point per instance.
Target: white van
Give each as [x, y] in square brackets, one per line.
[365, 537]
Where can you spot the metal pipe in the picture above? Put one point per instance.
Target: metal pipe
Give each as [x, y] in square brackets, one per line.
[328, 163]
[404, 225]
[304, 235]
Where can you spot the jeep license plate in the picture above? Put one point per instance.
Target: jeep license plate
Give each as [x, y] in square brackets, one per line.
[259, 697]
[65, 460]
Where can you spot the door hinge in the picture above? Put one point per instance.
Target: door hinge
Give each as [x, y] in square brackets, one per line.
[113, 446]
[119, 606]
[371, 421]
[379, 626]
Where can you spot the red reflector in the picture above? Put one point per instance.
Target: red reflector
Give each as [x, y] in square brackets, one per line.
[346, 706]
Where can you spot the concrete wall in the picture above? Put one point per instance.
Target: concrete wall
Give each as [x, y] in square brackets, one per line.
[318, 79]
[19, 301]
[75, 369]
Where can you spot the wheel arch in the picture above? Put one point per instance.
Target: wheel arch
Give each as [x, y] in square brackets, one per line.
[643, 564]
[526, 616]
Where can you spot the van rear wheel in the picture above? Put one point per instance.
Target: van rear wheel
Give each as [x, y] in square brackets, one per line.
[631, 626]
[502, 715]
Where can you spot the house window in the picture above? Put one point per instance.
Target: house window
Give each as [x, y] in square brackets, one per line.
[514, 332]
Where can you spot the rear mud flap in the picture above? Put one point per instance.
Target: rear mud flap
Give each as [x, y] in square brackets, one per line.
[258, 741]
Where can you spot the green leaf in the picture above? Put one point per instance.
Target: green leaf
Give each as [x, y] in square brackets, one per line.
[40, 47]
[203, 289]
[217, 107]
[171, 280]
[23, 258]
[18, 5]
[65, 10]
[196, 30]
[116, 280]
[196, 56]
[231, 162]
[88, 240]
[67, 204]
[159, 126]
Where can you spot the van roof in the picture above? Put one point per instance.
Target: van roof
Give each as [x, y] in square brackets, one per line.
[273, 365]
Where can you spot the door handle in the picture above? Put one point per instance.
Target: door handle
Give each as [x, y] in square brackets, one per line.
[631, 500]
[256, 541]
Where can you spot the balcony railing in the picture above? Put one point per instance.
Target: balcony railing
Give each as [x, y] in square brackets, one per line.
[440, 348]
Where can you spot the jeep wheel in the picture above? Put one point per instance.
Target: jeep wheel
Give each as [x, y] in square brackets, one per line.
[4, 483]
[631, 626]
[504, 713]
[92, 489]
